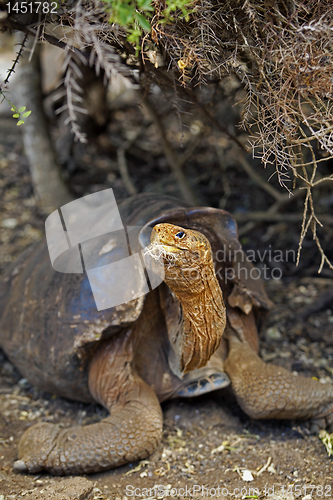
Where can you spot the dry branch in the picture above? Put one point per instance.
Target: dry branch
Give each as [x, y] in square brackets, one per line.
[51, 191]
[183, 183]
[280, 217]
[128, 183]
[258, 179]
[282, 51]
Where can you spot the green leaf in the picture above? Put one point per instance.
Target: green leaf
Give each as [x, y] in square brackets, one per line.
[20, 122]
[13, 108]
[134, 36]
[20, 110]
[327, 439]
[17, 115]
[145, 5]
[26, 114]
[143, 21]
[126, 14]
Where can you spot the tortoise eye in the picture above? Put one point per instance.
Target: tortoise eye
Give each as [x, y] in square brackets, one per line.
[180, 235]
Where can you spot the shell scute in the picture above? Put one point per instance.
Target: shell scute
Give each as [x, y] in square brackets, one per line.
[49, 324]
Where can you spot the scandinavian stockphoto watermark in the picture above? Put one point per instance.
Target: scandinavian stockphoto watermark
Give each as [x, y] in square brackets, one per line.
[272, 492]
[268, 263]
[160, 491]
[88, 235]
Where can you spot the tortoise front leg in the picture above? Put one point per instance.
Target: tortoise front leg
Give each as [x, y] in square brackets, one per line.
[132, 431]
[268, 391]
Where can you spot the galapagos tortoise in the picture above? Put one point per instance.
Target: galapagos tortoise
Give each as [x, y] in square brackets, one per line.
[166, 344]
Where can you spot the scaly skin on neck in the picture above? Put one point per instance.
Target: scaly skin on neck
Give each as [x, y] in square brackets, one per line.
[189, 272]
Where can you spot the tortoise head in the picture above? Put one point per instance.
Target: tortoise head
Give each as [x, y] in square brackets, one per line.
[186, 255]
[189, 272]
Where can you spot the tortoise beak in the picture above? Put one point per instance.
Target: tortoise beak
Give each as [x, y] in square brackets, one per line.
[169, 248]
[155, 239]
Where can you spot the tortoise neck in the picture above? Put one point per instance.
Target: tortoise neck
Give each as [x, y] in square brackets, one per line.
[203, 321]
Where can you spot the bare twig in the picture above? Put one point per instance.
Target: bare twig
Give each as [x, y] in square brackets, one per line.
[173, 161]
[216, 123]
[191, 146]
[123, 163]
[225, 180]
[30, 31]
[124, 170]
[266, 216]
[258, 179]
[282, 54]
[16, 60]
[249, 226]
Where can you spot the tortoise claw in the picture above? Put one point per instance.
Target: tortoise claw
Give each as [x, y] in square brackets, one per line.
[20, 466]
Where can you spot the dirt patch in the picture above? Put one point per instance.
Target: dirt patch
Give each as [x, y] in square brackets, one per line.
[208, 443]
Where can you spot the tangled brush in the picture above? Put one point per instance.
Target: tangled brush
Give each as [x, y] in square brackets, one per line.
[282, 51]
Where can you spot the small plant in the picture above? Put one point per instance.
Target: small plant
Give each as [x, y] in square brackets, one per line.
[184, 6]
[132, 15]
[136, 15]
[327, 440]
[20, 114]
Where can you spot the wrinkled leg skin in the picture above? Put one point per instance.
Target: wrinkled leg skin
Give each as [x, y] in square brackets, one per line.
[131, 432]
[268, 391]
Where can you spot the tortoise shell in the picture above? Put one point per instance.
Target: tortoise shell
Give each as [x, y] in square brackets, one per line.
[49, 323]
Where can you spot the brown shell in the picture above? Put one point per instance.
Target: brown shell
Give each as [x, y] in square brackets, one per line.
[49, 324]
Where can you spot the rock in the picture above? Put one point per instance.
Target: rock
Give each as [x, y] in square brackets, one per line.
[10, 223]
[273, 334]
[74, 488]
